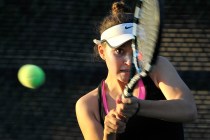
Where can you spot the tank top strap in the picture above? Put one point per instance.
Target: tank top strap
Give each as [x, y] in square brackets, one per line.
[141, 94]
[100, 105]
[104, 98]
[142, 90]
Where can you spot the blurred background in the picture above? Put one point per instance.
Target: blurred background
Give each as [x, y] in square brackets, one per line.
[57, 36]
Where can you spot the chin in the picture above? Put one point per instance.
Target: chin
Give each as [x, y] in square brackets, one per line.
[124, 80]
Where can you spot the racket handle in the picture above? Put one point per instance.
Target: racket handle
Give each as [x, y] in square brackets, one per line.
[132, 71]
[127, 92]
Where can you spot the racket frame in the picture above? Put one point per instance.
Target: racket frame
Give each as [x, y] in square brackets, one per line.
[136, 71]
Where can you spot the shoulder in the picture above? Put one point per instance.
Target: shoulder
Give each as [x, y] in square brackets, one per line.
[162, 64]
[87, 100]
[162, 61]
[87, 114]
[162, 68]
[87, 105]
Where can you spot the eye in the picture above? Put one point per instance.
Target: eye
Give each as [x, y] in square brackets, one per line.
[119, 51]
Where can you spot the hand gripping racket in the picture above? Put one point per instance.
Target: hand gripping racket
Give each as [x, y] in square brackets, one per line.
[147, 28]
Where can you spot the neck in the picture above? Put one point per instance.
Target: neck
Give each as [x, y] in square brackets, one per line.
[114, 86]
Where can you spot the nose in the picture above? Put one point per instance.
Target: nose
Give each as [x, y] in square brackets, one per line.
[127, 59]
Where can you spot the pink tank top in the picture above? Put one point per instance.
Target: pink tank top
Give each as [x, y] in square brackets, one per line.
[141, 94]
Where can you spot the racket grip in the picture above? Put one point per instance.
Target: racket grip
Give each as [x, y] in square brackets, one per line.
[127, 92]
[132, 71]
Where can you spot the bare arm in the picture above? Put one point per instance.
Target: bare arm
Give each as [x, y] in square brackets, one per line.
[89, 125]
[179, 106]
[89, 122]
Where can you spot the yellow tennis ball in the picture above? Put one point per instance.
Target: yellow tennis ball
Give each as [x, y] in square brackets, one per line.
[31, 76]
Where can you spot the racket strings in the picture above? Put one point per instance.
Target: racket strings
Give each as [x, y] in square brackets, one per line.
[146, 30]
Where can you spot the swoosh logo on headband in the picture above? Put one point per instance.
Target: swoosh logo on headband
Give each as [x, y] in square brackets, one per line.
[127, 27]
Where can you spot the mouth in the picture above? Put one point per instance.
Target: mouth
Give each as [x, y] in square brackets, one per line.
[126, 70]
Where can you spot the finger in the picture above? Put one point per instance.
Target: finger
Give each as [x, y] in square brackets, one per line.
[127, 110]
[119, 108]
[112, 117]
[129, 100]
[126, 100]
[114, 125]
[122, 118]
[119, 99]
[109, 126]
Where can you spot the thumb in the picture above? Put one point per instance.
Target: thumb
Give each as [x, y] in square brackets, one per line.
[119, 99]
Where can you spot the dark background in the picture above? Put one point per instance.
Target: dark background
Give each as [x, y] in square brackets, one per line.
[57, 36]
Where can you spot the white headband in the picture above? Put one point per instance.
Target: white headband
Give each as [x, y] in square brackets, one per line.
[117, 35]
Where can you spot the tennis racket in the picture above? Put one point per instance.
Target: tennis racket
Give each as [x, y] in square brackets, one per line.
[147, 28]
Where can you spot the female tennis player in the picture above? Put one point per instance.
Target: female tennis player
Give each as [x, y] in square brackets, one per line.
[103, 114]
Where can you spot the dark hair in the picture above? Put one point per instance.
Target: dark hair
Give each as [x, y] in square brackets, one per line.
[120, 13]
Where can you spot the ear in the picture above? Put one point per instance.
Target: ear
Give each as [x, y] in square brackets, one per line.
[101, 51]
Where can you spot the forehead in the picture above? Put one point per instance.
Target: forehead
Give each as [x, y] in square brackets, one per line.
[126, 44]
[126, 47]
